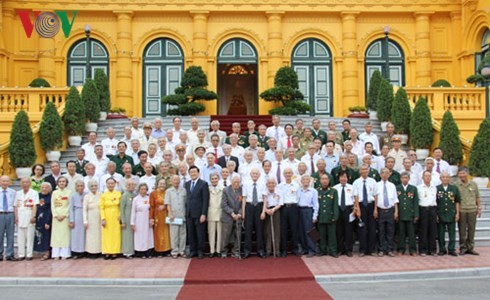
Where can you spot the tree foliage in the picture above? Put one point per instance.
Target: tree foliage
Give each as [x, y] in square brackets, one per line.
[74, 117]
[421, 135]
[384, 101]
[102, 84]
[51, 128]
[477, 77]
[91, 100]
[401, 112]
[21, 148]
[479, 163]
[441, 83]
[373, 92]
[450, 143]
[39, 82]
[192, 88]
[286, 91]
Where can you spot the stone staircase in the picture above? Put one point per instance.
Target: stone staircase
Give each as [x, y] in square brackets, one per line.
[483, 223]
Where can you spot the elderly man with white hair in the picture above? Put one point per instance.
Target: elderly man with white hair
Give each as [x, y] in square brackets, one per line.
[26, 201]
[215, 130]
[157, 131]
[192, 132]
[136, 132]
[109, 144]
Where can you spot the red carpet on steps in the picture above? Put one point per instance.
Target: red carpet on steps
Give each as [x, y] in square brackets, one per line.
[253, 278]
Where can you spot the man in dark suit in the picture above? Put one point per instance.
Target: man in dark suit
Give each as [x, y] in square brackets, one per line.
[55, 174]
[197, 210]
[231, 218]
[223, 160]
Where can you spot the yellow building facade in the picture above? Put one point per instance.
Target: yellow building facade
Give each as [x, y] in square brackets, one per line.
[334, 45]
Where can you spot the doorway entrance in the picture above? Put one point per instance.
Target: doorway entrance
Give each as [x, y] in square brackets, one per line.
[237, 78]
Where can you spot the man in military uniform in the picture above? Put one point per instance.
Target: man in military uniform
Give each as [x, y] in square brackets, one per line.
[470, 209]
[346, 131]
[298, 127]
[80, 162]
[448, 200]
[121, 158]
[139, 169]
[327, 216]
[321, 170]
[307, 137]
[387, 138]
[242, 140]
[408, 208]
[373, 173]
[351, 174]
[261, 137]
[394, 175]
[317, 132]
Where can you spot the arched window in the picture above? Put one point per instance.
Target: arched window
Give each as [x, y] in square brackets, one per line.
[485, 49]
[388, 60]
[98, 58]
[163, 63]
[312, 62]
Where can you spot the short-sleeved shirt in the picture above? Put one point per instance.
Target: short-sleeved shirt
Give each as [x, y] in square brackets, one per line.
[358, 186]
[391, 194]
[247, 191]
[288, 192]
[469, 193]
[274, 199]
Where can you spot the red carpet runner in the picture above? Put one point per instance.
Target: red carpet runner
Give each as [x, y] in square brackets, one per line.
[253, 278]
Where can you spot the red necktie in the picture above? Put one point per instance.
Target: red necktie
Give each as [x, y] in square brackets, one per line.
[289, 142]
[216, 155]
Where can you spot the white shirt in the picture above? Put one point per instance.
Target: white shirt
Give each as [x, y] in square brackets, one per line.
[283, 142]
[435, 179]
[391, 193]
[155, 160]
[307, 160]
[292, 164]
[349, 193]
[370, 186]
[238, 151]
[414, 177]
[275, 132]
[89, 151]
[24, 203]
[176, 136]
[109, 146]
[214, 150]
[192, 136]
[247, 191]
[399, 156]
[150, 181]
[270, 155]
[102, 182]
[146, 141]
[200, 162]
[274, 167]
[245, 168]
[443, 166]
[274, 198]
[372, 138]
[136, 133]
[289, 192]
[427, 195]
[100, 166]
[358, 148]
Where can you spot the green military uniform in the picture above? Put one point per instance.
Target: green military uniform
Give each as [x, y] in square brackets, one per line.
[139, 171]
[298, 133]
[339, 138]
[345, 135]
[408, 210]
[121, 161]
[385, 140]
[81, 167]
[300, 152]
[446, 212]
[374, 174]
[262, 142]
[351, 174]
[242, 141]
[328, 214]
[316, 179]
[395, 178]
[322, 135]
[306, 141]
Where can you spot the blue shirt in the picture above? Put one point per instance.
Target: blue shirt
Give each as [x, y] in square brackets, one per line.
[308, 198]
[206, 171]
[331, 161]
[10, 199]
[157, 133]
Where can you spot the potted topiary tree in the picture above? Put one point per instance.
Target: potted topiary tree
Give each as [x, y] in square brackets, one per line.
[479, 163]
[450, 143]
[192, 88]
[421, 135]
[400, 115]
[441, 83]
[384, 103]
[91, 100]
[51, 132]
[478, 78]
[286, 91]
[21, 148]
[373, 92]
[102, 84]
[74, 117]
[39, 83]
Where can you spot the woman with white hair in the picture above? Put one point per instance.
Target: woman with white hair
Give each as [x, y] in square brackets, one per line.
[77, 243]
[60, 208]
[42, 235]
[91, 220]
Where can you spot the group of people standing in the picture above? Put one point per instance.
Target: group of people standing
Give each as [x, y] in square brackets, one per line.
[285, 189]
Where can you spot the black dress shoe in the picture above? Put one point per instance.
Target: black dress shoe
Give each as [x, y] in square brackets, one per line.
[335, 255]
[261, 254]
[246, 255]
[11, 258]
[453, 253]
[283, 254]
[200, 256]
[472, 252]
[442, 253]
[349, 254]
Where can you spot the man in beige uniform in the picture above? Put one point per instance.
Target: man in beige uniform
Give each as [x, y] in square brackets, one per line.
[469, 210]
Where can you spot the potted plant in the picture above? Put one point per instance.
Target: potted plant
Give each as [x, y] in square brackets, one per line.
[39, 83]
[192, 88]
[450, 143]
[286, 91]
[90, 98]
[373, 92]
[400, 115]
[74, 117]
[117, 113]
[358, 112]
[421, 135]
[102, 84]
[384, 103]
[21, 148]
[51, 132]
[441, 83]
[479, 163]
